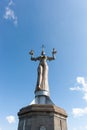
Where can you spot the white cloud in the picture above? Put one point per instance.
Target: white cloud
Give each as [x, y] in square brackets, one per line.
[81, 86]
[80, 128]
[75, 88]
[77, 112]
[74, 128]
[85, 97]
[10, 3]
[10, 119]
[10, 14]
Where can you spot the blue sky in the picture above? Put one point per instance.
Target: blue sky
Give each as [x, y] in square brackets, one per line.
[26, 25]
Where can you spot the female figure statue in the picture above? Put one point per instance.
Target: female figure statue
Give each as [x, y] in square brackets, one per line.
[42, 79]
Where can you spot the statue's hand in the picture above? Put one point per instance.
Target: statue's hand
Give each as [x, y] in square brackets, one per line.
[31, 52]
[54, 51]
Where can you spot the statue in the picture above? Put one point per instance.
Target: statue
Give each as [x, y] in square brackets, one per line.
[42, 79]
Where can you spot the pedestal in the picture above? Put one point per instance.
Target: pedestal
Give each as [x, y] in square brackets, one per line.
[42, 117]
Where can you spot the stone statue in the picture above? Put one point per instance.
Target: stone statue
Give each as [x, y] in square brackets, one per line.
[42, 79]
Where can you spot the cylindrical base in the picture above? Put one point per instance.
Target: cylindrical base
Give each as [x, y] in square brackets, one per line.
[42, 93]
[42, 97]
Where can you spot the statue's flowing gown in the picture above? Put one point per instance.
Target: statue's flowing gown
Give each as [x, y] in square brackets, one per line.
[42, 80]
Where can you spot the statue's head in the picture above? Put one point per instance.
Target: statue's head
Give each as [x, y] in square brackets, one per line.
[43, 53]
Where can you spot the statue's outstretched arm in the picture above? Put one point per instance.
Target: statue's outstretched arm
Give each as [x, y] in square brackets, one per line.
[50, 58]
[32, 56]
[53, 55]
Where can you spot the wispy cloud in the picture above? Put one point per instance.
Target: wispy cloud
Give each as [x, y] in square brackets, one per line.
[74, 128]
[81, 86]
[10, 14]
[10, 119]
[75, 88]
[77, 112]
[10, 3]
[80, 128]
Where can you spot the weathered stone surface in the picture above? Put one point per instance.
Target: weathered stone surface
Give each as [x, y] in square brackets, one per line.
[47, 117]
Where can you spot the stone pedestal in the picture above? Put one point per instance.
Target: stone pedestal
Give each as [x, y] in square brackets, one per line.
[42, 117]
